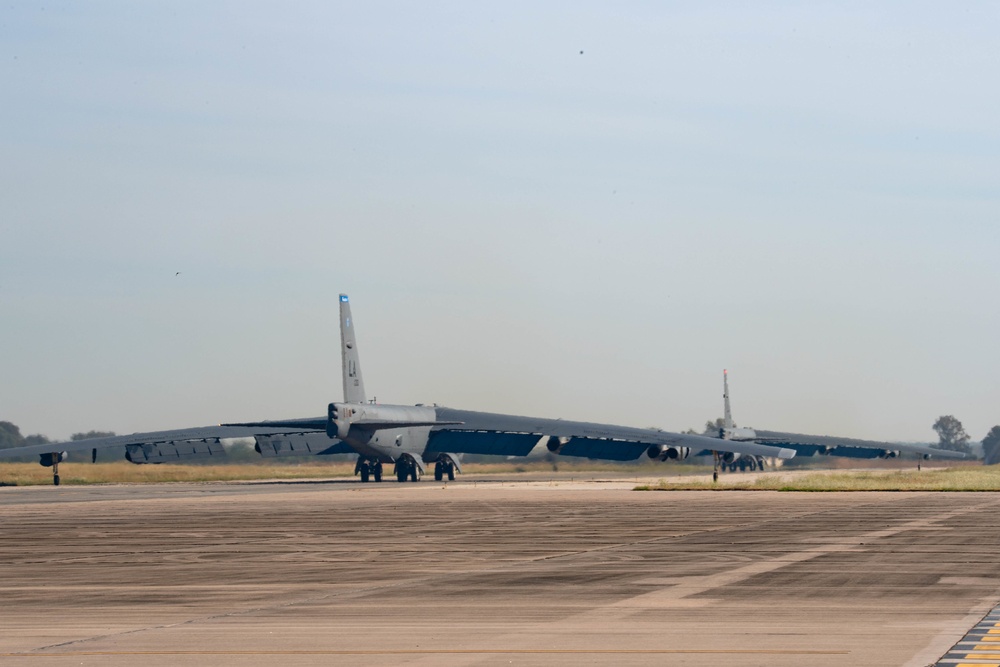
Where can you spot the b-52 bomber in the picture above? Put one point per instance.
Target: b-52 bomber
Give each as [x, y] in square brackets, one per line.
[408, 437]
[413, 437]
[812, 445]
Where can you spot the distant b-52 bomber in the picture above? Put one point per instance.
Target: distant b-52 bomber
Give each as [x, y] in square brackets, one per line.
[413, 437]
[811, 445]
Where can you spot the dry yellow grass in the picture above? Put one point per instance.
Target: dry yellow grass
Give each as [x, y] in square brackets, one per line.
[123, 472]
[118, 472]
[959, 478]
[964, 478]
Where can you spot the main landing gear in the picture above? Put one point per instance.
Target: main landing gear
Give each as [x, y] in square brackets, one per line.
[407, 468]
[368, 469]
[746, 462]
[444, 467]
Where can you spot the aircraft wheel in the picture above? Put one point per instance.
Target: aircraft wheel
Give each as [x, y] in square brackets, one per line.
[364, 473]
[378, 472]
[400, 475]
[438, 472]
[55, 480]
[414, 474]
[451, 473]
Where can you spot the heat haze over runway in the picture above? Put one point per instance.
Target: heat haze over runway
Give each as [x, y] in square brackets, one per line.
[490, 573]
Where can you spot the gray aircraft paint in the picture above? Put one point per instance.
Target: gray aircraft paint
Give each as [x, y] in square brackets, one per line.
[810, 445]
[727, 411]
[354, 385]
[425, 434]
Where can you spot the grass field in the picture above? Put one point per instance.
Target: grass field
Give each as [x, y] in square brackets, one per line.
[959, 478]
[119, 472]
[123, 472]
[965, 477]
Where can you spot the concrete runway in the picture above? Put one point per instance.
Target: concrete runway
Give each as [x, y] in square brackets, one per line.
[489, 573]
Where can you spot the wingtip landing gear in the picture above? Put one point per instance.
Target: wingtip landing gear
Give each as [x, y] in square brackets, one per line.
[51, 460]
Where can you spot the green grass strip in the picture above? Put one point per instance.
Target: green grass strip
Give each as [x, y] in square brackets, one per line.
[965, 478]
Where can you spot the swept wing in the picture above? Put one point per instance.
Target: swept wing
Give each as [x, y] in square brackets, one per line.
[489, 433]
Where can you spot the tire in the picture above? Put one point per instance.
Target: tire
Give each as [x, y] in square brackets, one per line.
[414, 474]
[378, 472]
[451, 473]
[438, 472]
[400, 474]
[364, 474]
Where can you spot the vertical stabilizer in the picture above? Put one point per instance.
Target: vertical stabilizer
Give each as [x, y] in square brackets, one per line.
[728, 419]
[354, 386]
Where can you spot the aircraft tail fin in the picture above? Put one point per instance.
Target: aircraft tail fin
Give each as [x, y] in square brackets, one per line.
[728, 418]
[354, 386]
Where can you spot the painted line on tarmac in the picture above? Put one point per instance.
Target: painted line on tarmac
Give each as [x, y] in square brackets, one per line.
[980, 647]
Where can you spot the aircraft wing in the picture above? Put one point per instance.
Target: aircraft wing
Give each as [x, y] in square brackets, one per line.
[508, 435]
[808, 445]
[200, 441]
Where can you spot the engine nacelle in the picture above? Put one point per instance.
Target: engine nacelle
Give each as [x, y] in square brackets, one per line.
[729, 457]
[339, 417]
[554, 444]
[667, 452]
[889, 454]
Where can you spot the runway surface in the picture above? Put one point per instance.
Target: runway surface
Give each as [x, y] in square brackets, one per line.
[498, 573]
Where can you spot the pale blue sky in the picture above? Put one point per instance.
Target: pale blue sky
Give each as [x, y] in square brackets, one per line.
[807, 195]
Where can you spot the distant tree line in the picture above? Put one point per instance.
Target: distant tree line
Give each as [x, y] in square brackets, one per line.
[10, 436]
[991, 446]
[952, 435]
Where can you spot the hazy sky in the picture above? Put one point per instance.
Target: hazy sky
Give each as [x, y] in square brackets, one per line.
[564, 209]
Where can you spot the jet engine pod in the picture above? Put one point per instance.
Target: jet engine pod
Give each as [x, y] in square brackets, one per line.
[338, 423]
[332, 412]
[554, 444]
[729, 457]
[889, 454]
[667, 453]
